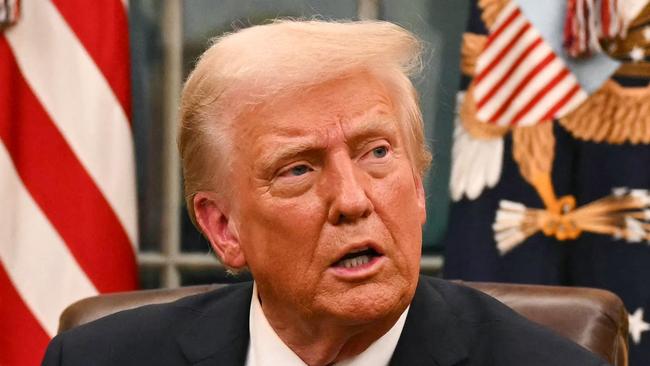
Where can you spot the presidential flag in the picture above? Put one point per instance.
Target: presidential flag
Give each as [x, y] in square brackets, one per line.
[560, 196]
[67, 181]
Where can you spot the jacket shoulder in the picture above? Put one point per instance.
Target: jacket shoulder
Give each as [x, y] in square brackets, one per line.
[146, 335]
[496, 334]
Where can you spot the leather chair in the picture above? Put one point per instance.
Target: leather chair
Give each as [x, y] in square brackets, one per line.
[595, 319]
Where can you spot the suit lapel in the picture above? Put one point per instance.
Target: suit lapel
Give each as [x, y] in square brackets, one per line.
[431, 334]
[219, 335]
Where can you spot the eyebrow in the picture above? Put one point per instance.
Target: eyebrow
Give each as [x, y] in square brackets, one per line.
[289, 149]
[372, 128]
[360, 133]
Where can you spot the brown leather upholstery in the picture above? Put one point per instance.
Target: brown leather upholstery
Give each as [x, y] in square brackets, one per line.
[595, 319]
[95, 307]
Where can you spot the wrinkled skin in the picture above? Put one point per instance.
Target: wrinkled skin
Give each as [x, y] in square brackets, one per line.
[314, 176]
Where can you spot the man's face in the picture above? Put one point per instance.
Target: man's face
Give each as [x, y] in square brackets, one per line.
[327, 206]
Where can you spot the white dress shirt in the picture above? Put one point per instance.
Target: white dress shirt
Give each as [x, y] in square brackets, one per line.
[267, 349]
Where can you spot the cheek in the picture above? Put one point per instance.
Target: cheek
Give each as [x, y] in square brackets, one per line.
[398, 205]
[398, 195]
[285, 230]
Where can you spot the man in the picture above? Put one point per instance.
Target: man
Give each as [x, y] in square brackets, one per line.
[303, 154]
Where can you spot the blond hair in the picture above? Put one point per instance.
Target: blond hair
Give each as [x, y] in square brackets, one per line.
[252, 66]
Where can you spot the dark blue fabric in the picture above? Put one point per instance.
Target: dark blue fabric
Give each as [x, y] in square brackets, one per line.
[589, 171]
[447, 325]
[586, 170]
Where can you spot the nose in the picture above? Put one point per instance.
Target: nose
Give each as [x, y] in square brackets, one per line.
[348, 197]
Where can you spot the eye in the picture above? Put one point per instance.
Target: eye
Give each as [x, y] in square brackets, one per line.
[380, 152]
[378, 155]
[296, 170]
[299, 170]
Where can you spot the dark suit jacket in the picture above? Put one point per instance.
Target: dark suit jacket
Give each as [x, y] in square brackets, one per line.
[447, 325]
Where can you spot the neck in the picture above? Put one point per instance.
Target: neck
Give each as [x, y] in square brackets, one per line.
[320, 342]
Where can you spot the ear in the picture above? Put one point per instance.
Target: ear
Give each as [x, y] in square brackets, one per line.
[421, 197]
[213, 217]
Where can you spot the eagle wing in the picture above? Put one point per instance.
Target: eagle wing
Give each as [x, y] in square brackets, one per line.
[614, 114]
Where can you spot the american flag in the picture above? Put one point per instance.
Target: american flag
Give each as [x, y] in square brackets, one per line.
[519, 79]
[67, 186]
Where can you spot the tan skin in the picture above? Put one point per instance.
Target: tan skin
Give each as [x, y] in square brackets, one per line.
[315, 176]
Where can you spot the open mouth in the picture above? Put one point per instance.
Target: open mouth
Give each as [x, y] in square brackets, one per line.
[357, 258]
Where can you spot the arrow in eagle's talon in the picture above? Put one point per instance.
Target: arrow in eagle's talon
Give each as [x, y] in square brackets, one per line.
[623, 215]
[642, 195]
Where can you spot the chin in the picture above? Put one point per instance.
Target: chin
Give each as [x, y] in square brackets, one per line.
[370, 302]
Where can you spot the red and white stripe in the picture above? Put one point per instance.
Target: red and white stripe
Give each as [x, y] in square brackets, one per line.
[610, 18]
[519, 79]
[68, 225]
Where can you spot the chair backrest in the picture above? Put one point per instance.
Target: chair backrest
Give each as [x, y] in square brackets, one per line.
[595, 319]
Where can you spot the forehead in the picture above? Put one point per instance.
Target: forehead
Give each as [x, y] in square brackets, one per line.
[358, 102]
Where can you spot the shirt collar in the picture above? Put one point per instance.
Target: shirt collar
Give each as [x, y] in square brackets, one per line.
[266, 347]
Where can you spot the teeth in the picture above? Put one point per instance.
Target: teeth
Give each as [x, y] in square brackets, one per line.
[355, 262]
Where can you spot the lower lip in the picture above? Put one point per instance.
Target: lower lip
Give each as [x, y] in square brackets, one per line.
[360, 272]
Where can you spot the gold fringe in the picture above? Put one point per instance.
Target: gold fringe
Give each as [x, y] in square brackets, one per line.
[642, 18]
[639, 70]
[475, 127]
[473, 45]
[620, 48]
[614, 114]
[491, 10]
